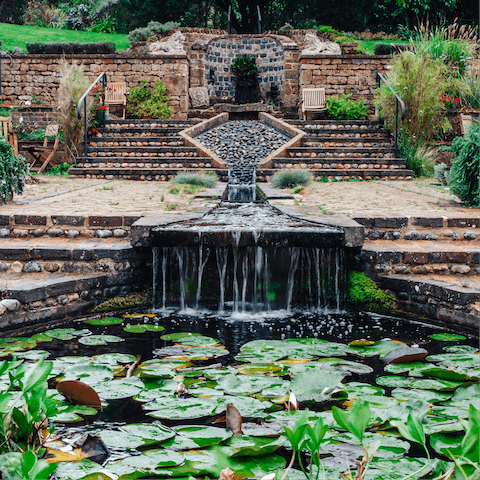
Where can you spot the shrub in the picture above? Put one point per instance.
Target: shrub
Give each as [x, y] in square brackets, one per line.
[470, 89]
[420, 83]
[151, 103]
[13, 171]
[420, 158]
[144, 33]
[464, 174]
[344, 108]
[41, 14]
[291, 178]
[73, 84]
[441, 173]
[362, 290]
[381, 48]
[342, 39]
[327, 31]
[287, 27]
[71, 48]
[196, 179]
[244, 66]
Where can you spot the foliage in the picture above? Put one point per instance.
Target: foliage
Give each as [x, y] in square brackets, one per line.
[71, 48]
[151, 103]
[13, 171]
[40, 14]
[61, 169]
[291, 178]
[344, 108]
[244, 66]
[196, 179]
[73, 84]
[17, 35]
[342, 39]
[420, 83]
[144, 33]
[453, 45]
[441, 173]
[362, 290]
[381, 48]
[470, 89]
[119, 303]
[464, 174]
[327, 31]
[419, 158]
[104, 25]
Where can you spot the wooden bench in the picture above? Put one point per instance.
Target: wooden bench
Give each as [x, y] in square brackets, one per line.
[116, 94]
[44, 154]
[8, 133]
[313, 100]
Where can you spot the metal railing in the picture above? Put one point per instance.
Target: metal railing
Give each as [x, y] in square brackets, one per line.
[398, 101]
[102, 77]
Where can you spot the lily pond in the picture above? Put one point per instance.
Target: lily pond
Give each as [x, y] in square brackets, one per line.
[351, 395]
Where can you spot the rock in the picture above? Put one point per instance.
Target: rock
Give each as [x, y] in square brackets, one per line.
[10, 304]
[119, 232]
[72, 233]
[17, 267]
[395, 235]
[199, 97]
[32, 267]
[4, 266]
[314, 46]
[2, 310]
[470, 235]
[169, 45]
[411, 236]
[55, 232]
[51, 267]
[375, 234]
[5, 232]
[461, 269]
[103, 233]
[429, 236]
[38, 232]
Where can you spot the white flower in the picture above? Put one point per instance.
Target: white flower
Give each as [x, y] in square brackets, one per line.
[21, 120]
[397, 84]
[27, 102]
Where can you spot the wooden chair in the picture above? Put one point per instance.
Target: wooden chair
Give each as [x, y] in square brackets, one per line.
[8, 133]
[45, 153]
[313, 100]
[116, 94]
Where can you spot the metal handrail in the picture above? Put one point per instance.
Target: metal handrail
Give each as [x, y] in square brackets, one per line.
[398, 101]
[103, 77]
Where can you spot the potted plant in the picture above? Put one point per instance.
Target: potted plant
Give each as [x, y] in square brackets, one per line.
[246, 69]
[13, 171]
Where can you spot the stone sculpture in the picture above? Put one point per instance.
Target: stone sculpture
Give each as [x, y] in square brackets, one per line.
[314, 46]
[199, 97]
[169, 45]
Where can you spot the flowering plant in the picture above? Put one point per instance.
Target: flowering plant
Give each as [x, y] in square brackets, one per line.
[97, 108]
[451, 104]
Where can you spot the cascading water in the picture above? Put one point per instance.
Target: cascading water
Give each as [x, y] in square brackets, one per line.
[251, 279]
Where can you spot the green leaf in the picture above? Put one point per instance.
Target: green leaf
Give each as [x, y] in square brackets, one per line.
[315, 386]
[422, 384]
[357, 421]
[412, 430]
[66, 333]
[89, 373]
[197, 436]
[119, 388]
[142, 328]
[180, 408]
[447, 337]
[37, 375]
[104, 321]
[94, 340]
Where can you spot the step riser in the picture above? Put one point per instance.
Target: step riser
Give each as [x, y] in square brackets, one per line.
[146, 164]
[340, 166]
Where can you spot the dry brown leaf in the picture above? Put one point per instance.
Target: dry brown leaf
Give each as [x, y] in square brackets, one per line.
[233, 419]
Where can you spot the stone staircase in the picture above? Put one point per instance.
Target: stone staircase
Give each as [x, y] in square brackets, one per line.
[153, 150]
[345, 150]
[139, 150]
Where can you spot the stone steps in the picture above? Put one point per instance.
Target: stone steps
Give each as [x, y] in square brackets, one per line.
[167, 151]
[343, 142]
[139, 141]
[359, 152]
[340, 161]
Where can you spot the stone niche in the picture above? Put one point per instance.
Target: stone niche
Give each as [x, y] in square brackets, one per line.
[270, 58]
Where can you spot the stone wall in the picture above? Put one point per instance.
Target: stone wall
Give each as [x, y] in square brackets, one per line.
[39, 75]
[355, 74]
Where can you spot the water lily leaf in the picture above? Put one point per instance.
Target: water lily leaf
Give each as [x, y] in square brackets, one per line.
[247, 406]
[256, 467]
[173, 337]
[73, 413]
[341, 455]
[427, 395]
[249, 385]
[149, 432]
[457, 360]
[41, 337]
[155, 370]
[156, 389]
[142, 328]
[77, 470]
[448, 337]
[33, 354]
[119, 439]
[196, 436]
[136, 436]
[89, 373]
[152, 462]
[66, 333]
[390, 446]
[468, 393]
[359, 390]
[315, 386]
[460, 349]
[446, 374]
[405, 355]
[244, 446]
[380, 348]
[15, 344]
[414, 369]
[119, 388]
[197, 341]
[79, 393]
[104, 321]
[139, 315]
[446, 444]
[382, 469]
[114, 358]
[266, 429]
[180, 408]
[200, 353]
[94, 340]
[261, 368]
[434, 424]
[423, 384]
[361, 343]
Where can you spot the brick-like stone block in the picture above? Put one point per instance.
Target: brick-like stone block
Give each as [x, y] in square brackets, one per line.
[390, 222]
[4, 220]
[71, 220]
[113, 221]
[415, 257]
[30, 220]
[449, 257]
[430, 221]
[464, 222]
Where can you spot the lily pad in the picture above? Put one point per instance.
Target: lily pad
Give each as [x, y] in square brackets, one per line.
[460, 349]
[405, 355]
[66, 333]
[196, 436]
[94, 340]
[247, 406]
[41, 337]
[180, 408]
[73, 413]
[9, 346]
[382, 469]
[422, 384]
[390, 446]
[457, 360]
[316, 387]
[380, 348]
[104, 321]
[200, 353]
[77, 470]
[447, 337]
[114, 358]
[155, 370]
[151, 463]
[427, 395]
[89, 373]
[244, 446]
[142, 328]
[33, 355]
[446, 374]
[173, 337]
[119, 388]
[260, 368]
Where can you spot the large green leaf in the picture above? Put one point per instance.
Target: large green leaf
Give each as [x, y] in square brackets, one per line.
[181, 408]
[390, 446]
[400, 468]
[15, 344]
[428, 395]
[76, 470]
[119, 388]
[114, 358]
[89, 373]
[104, 321]
[152, 462]
[380, 348]
[73, 413]
[446, 444]
[464, 360]
[448, 337]
[160, 388]
[142, 328]
[245, 446]
[136, 435]
[422, 384]
[447, 374]
[94, 340]
[196, 436]
[316, 387]
[247, 406]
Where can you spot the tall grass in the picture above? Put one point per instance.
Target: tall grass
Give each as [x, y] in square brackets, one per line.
[291, 178]
[470, 89]
[454, 45]
[17, 35]
[196, 179]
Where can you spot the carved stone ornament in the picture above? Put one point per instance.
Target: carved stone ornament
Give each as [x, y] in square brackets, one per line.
[169, 45]
[199, 97]
[314, 46]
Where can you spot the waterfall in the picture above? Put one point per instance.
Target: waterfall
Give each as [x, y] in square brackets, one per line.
[249, 279]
